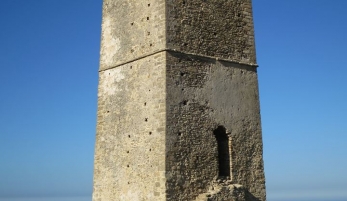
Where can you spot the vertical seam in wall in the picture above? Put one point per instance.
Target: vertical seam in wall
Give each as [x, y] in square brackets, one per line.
[166, 90]
[166, 23]
[166, 120]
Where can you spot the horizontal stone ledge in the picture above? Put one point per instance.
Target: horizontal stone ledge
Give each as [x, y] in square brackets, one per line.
[180, 52]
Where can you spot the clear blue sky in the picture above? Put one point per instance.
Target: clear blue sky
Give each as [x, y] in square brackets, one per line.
[49, 55]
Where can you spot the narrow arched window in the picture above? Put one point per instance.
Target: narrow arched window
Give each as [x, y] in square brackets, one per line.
[223, 151]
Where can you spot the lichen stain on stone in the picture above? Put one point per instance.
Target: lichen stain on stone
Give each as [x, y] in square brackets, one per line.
[111, 43]
[109, 80]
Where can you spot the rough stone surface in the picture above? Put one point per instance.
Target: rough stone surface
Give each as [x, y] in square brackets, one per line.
[131, 29]
[204, 94]
[129, 155]
[219, 28]
[222, 192]
[175, 75]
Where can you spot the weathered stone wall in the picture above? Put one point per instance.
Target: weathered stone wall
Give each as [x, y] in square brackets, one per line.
[171, 72]
[130, 140]
[131, 29]
[218, 28]
[203, 94]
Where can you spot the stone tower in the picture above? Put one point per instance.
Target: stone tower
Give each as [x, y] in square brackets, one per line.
[178, 103]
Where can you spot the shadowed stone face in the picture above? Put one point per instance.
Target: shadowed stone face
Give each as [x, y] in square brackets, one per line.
[178, 103]
[204, 95]
[222, 29]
